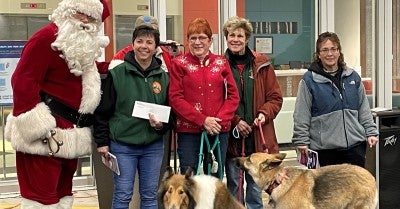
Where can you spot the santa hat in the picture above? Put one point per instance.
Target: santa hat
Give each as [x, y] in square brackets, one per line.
[147, 20]
[106, 10]
[92, 8]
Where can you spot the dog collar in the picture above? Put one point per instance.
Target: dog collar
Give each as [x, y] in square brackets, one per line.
[276, 182]
[272, 186]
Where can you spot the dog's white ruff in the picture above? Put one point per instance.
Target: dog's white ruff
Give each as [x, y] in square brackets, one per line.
[207, 190]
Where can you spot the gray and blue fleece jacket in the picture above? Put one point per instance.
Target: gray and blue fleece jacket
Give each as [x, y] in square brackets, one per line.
[328, 117]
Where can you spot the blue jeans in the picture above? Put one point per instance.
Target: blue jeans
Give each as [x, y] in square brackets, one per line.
[147, 160]
[253, 192]
[189, 147]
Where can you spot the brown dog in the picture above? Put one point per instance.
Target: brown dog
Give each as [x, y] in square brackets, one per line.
[329, 187]
[194, 192]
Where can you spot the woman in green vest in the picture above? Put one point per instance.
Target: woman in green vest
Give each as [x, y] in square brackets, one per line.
[136, 142]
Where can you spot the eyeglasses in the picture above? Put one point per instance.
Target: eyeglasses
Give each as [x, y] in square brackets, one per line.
[82, 16]
[331, 50]
[193, 39]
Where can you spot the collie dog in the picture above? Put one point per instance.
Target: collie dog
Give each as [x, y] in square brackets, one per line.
[187, 191]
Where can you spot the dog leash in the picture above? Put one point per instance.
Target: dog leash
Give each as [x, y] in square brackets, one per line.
[264, 145]
[241, 173]
[174, 143]
[235, 133]
[171, 147]
[210, 150]
[173, 139]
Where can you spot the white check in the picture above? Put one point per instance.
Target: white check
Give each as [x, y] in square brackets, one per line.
[142, 110]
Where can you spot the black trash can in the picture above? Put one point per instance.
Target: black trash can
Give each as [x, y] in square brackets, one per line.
[384, 160]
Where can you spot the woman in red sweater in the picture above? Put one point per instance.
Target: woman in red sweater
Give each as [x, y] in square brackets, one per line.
[203, 94]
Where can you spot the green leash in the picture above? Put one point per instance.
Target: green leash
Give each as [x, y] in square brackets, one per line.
[204, 137]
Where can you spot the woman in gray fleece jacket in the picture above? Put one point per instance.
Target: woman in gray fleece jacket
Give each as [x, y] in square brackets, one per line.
[332, 115]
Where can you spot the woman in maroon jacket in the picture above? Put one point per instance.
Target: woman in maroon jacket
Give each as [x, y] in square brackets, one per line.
[203, 95]
[260, 102]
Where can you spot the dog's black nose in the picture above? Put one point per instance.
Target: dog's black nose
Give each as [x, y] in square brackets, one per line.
[238, 161]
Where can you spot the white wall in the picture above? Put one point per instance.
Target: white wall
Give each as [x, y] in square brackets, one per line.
[14, 6]
[284, 121]
[347, 26]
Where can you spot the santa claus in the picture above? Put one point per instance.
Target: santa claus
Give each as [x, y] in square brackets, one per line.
[56, 88]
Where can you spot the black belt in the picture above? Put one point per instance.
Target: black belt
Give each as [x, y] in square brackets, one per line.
[66, 112]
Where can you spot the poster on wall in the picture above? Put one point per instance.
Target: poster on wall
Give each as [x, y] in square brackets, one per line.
[263, 45]
[10, 53]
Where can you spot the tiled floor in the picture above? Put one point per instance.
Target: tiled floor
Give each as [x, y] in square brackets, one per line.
[83, 199]
[88, 199]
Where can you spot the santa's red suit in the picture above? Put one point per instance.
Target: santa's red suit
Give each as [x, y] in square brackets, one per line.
[54, 95]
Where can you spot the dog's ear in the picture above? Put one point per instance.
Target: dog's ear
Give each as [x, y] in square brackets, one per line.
[168, 173]
[189, 172]
[271, 164]
[280, 156]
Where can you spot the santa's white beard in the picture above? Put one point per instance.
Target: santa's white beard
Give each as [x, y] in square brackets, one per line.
[80, 45]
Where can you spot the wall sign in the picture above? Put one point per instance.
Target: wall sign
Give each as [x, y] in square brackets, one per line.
[263, 45]
[10, 53]
[33, 5]
[263, 27]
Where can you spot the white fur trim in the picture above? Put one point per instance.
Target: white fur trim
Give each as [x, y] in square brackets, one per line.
[103, 41]
[207, 191]
[93, 8]
[30, 204]
[91, 84]
[7, 128]
[30, 126]
[77, 142]
[114, 63]
[66, 202]
[26, 132]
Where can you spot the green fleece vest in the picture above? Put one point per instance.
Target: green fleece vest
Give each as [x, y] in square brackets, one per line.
[130, 86]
